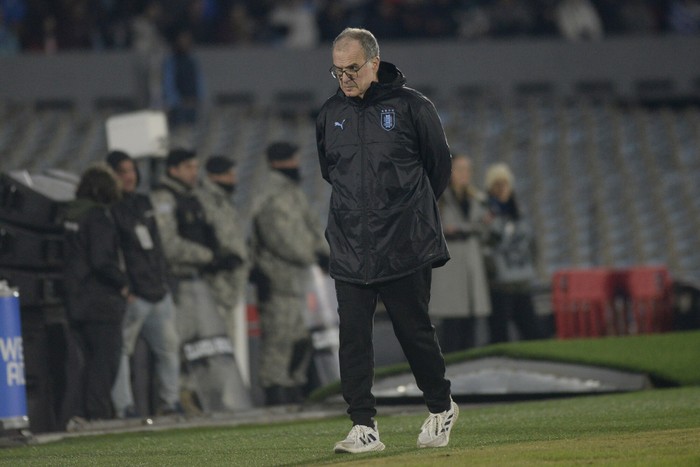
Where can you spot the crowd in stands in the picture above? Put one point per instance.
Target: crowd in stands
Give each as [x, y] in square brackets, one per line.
[43, 26]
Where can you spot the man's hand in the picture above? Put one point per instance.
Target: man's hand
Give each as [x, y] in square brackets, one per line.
[223, 261]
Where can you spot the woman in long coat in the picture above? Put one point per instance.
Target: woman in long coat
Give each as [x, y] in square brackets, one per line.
[460, 292]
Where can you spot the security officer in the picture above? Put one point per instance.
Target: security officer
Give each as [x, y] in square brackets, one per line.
[286, 241]
[191, 248]
[215, 193]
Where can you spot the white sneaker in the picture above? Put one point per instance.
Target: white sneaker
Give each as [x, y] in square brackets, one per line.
[435, 432]
[360, 439]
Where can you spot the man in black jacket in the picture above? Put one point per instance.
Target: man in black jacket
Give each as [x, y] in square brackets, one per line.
[382, 148]
[150, 311]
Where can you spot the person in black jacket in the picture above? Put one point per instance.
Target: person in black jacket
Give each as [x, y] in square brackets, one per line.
[151, 310]
[510, 259]
[96, 288]
[382, 148]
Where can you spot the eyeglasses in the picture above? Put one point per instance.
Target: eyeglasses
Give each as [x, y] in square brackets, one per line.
[350, 71]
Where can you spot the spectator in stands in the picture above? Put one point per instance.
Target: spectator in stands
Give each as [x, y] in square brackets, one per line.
[411, 19]
[638, 17]
[511, 18]
[150, 46]
[200, 18]
[74, 26]
[610, 16]
[439, 19]
[15, 11]
[384, 19]
[237, 27]
[578, 20]
[228, 283]
[78, 24]
[41, 35]
[684, 16]
[96, 288]
[473, 21]
[110, 25]
[9, 40]
[183, 82]
[150, 312]
[333, 16]
[460, 291]
[383, 228]
[297, 19]
[286, 241]
[511, 259]
[211, 381]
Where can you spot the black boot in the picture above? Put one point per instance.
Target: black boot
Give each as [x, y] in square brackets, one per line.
[275, 395]
[294, 395]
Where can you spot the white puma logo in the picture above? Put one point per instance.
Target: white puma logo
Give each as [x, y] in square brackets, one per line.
[340, 124]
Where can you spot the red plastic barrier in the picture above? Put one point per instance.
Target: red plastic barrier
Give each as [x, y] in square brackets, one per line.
[581, 301]
[599, 301]
[649, 291]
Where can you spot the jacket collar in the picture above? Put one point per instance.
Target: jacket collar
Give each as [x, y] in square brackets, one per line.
[175, 185]
[390, 78]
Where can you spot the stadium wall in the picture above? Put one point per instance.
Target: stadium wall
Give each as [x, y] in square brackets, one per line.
[628, 67]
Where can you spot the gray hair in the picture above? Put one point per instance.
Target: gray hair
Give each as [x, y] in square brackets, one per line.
[364, 37]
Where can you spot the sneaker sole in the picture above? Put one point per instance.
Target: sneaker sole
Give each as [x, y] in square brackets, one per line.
[370, 448]
[446, 441]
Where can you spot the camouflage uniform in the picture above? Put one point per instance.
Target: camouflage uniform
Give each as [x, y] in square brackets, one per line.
[215, 378]
[286, 240]
[185, 257]
[228, 286]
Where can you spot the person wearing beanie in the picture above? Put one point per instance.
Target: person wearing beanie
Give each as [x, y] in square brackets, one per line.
[176, 157]
[283, 157]
[286, 241]
[215, 194]
[150, 311]
[192, 250]
[220, 166]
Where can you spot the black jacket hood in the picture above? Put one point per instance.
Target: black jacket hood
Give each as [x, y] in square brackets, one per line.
[79, 207]
[390, 78]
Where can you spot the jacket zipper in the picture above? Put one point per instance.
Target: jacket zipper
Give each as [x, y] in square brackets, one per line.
[363, 171]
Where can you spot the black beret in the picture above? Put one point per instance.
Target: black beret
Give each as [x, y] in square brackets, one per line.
[219, 164]
[178, 156]
[281, 151]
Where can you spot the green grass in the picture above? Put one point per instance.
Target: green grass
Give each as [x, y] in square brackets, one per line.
[658, 427]
[671, 359]
[655, 427]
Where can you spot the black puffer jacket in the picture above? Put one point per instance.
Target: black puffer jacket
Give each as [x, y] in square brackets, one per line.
[388, 161]
[93, 274]
[140, 242]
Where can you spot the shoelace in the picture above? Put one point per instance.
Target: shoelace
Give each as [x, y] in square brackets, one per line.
[361, 433]
[434, 422]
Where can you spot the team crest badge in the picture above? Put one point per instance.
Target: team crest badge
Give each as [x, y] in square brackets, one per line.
[388, 119]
